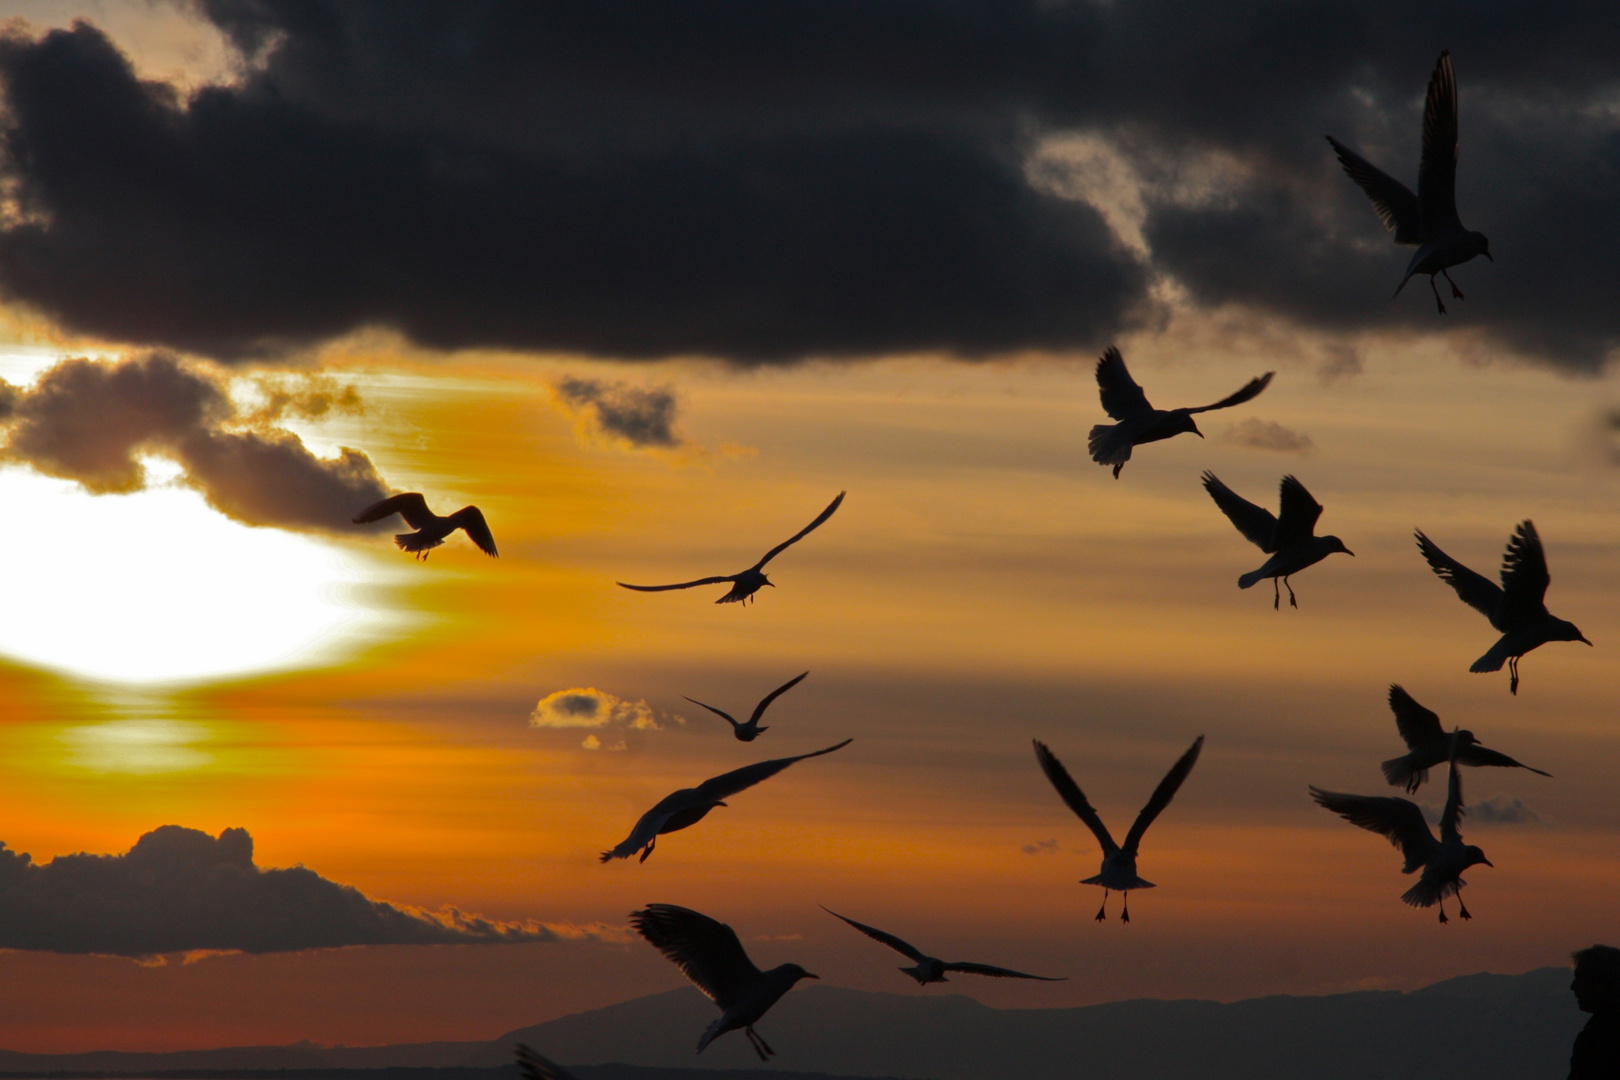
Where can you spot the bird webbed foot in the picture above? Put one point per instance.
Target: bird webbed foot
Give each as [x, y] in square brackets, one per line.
[761, 1047]
[1292, 602]
[1102, 912]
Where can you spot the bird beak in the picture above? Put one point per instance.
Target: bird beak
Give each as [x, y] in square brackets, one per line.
[772, 584]
[726, 805]
[810, 976]
[1583, 638]
[1198, 433]
[1488, 256]
[1488, 863]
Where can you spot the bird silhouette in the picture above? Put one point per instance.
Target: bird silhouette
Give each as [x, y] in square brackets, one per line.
[533, 1066]
[1442, 861]
[689, 806]
[431, 529]
[751, 730]
[931, 969]
[746, 583]
[1428, 745]
[707, 952]
[1139, 422]
[1289, 538]
[1119, 863]
[1429, 218]
[1518, 608]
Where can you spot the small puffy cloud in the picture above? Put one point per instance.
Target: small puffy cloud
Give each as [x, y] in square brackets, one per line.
[1257, 434]
[180, 890]
[643, 417]
[1040, 847]
[1341, 362]
[1496, 810]
[599, 711]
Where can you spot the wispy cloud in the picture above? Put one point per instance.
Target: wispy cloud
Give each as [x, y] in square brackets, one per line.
[1496, 810]
[1040, 847]
[640, 416]
[1256, 434]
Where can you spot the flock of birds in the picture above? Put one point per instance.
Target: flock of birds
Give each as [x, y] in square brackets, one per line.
[709, 953]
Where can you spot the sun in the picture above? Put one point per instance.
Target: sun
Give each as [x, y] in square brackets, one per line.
[156, 587]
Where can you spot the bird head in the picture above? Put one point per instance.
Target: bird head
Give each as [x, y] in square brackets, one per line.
[1333, 544]
[1564, 630]
[1480, 245]
[1465, 738]
[763, 580]
[1475, 855]
[798, 972]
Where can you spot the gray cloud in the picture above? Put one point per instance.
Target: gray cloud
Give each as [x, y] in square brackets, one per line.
[1496, 810]
[1040, 847]
[181, 890]
[91, 422]
[640, 416]
[1259, 434]
[1342, 362]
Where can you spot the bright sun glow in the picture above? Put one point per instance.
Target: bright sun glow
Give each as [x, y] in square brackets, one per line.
[156, 587]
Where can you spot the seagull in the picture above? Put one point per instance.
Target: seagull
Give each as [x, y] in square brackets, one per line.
[1442, 861]
[532, 1066]
[1289, 538]
[1429, 218]
[689, 806]
[1139, 422]
[431, 529]
[707, 952]
[931, 968]
[1119, 863]
[750, 731]
[746, 583]
[1429, 745]
[1518, 609]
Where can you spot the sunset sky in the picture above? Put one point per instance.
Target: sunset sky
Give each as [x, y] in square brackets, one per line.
[649, 284]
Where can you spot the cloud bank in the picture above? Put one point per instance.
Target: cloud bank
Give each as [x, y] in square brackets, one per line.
[181, 890]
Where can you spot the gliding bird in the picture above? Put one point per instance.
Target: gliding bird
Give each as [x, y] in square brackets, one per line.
[931, 968]
[532, 1066]
[1289, 538]
[1119, 863]
[1139, 422]
[1518, 608]
[746, 583]
[1429, 745]
[707, 952]
[431, 529]
[689, 806]
[1429, 218]
[750, 731]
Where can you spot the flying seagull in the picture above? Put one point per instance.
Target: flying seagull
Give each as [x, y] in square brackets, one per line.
[1289, 538]
[708, 953]
[1442, 861]
[1429, 218]
[750, 731]
[931, 968]
[1518, 608]
[1429, 745]
[431, 529]
[1119, 863]
[746, 583]
[532, 1066]
[689, 806]
[1139, 422]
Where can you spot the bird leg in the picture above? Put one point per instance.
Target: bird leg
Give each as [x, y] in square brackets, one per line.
[1293, 603]
[1102, 911]
[1443, 910]
[1462, 909]
[1276, 596]
[1125, 909]
[1439, 303]
[1454, 290]
[761, 1047]
[1513, 675]
[646, 851]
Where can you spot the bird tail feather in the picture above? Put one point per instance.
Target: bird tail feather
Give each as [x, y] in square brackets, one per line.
[1427, 893]
[1248, 580]
[714, 1031]
[1494, 658]
[1399, 771]
[416, 542]
[1104, 450]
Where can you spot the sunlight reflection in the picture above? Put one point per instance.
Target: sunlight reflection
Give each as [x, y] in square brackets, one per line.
[136, 746]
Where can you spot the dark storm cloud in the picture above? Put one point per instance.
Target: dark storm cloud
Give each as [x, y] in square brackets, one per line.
[181, 890]
[769, 181]
[92, 422]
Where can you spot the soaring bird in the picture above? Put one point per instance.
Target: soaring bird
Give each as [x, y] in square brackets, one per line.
[533, 1066]
[1119, 863]
[746, 583]
[1429, 218]
[1442, 861]
[931, 969]
[750, 731]
[707, 952]
[1289, 538]
[1517, 609]
[689, 806]
[1429, 745]
[431, 529]
[1139, 422]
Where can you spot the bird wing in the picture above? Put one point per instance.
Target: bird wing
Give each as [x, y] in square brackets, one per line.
[1524, 576]
[759, 710]
[801, 534]
[532, 1066]
[1122, 398]
[1437, 175]
[410, 505]
[1297, 513]
[1398, 820]
[1479, 755]
[727, 784]
[1071, 794]
[1256, 523]
[1162, 795]
[1451, 816]
[647, 825]
[1476, 590]
[470, 519]
[998, 972]
[682, 585]
[711, 708]
[1392, 200]
[1416, 724]
[706, 950]
[1250, 391]
[902, 947]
